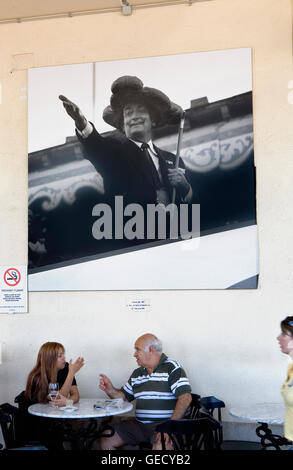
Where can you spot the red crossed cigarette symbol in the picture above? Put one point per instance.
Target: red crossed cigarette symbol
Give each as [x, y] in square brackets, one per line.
[12, 277]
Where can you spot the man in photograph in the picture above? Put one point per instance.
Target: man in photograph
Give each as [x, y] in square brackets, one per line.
[161, 390]
[131, 165]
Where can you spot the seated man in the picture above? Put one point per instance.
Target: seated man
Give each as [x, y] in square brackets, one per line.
[161, 390]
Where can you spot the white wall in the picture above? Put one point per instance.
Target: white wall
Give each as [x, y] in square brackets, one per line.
[225, 339]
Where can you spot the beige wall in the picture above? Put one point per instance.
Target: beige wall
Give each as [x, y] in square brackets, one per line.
[225, 339]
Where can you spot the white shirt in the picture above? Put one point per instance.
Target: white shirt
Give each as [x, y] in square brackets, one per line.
[152, 153]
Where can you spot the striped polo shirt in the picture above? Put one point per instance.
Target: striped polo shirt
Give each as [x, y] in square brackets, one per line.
[156, 394]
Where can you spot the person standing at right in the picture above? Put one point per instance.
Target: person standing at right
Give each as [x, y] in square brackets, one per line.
[285, 340]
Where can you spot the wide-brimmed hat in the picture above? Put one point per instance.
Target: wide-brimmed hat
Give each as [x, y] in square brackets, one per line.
[128, 89]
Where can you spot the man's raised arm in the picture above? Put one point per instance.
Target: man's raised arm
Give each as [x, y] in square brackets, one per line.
[74, 112]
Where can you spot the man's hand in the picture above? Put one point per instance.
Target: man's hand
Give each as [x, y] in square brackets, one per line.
[75, 366]
[178, 180]
[74, 112]
[106, 384]
[107, 387]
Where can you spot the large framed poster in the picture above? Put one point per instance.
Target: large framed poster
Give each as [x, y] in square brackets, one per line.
[142, 175]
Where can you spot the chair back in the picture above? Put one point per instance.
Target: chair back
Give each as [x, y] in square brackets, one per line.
[194, 406]
[209, 405]
[14, 430]
[7, 420]
[190, 434]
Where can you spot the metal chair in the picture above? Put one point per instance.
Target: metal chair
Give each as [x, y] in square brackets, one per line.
[190, 434]
[191, 413]
[209, 405]
[8, 420]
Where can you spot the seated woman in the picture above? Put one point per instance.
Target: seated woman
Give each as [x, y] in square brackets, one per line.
[51, 366]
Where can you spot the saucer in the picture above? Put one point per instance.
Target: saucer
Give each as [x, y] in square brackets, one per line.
[68, 408]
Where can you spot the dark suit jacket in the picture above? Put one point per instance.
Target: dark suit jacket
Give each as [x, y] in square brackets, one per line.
[123, 169]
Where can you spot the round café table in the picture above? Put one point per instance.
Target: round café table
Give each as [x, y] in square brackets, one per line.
[264, 414]
[84, 409]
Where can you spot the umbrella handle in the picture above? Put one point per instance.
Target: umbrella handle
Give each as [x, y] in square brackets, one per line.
[176, 166]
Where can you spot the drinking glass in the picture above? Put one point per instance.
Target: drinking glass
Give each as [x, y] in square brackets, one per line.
[53, 390]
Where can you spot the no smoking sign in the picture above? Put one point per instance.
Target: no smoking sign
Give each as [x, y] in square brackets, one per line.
[12, 277]
[13, 288]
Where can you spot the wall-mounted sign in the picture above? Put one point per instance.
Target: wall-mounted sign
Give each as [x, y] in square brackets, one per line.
[138, 305]
[13, 289]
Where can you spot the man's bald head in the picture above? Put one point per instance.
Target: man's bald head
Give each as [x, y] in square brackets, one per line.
[148, 351]
[148, 340]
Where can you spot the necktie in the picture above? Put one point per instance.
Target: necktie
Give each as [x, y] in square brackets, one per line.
[151, 166]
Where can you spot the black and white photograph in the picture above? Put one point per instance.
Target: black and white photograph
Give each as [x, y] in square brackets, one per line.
[142, 174]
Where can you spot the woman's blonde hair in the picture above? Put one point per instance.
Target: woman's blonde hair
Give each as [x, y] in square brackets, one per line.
[44, 372]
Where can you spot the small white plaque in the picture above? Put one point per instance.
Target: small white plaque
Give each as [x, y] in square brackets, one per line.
[138, 305]
[13, 289]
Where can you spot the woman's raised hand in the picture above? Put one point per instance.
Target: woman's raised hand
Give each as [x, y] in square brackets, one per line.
[75, 366]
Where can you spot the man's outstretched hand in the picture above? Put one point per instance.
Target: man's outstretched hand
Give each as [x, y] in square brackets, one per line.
[74, 112]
